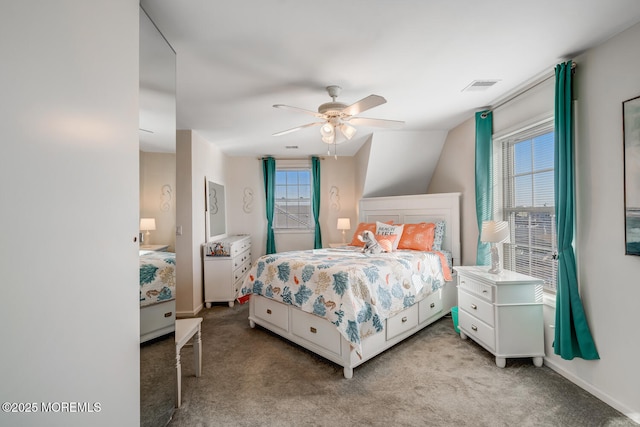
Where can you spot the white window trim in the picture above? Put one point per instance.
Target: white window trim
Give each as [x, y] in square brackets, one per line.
[295, 164]
[547, 118]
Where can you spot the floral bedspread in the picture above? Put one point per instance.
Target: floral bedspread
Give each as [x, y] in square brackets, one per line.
[354, 291]
[157, 277]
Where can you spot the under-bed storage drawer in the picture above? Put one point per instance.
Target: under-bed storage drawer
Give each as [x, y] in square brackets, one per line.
[273, 312]
[429, 307]
[402, 322]
[315, 329]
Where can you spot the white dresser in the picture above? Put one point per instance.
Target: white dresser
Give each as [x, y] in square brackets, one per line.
[501, 312]
[226, 263]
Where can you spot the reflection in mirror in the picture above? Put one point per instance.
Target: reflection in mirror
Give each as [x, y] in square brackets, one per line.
[216, 221]
[157, 134]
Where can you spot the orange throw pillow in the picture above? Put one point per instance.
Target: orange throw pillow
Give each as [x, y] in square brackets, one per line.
[386, 241]
[418, 237]
[371, 226]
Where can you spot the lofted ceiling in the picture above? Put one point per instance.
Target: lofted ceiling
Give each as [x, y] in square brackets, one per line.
[236, 59]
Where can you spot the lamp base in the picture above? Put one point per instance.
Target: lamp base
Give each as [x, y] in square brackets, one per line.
[495, 260]
[344, 239]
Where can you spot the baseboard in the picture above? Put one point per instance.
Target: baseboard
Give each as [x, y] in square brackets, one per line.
[192, 313]
[634, 416]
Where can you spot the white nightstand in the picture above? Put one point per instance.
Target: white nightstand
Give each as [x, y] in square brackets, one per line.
[501, 312]
[157, 248]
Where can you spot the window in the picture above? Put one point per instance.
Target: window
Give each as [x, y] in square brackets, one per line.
[528, 199]
[293, 199]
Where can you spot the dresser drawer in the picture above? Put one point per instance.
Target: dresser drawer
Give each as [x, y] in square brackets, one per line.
[476, 287]
[271, 311]
[429, 307]
[477, 330]
[402, 322]
[241, 258]
[316, 330]
[476, 306]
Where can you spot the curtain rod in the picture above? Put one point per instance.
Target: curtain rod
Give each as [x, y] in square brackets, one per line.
[290, 158]
[526, 89]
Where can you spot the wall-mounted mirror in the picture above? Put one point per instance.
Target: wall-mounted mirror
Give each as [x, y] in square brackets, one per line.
[157, 102]
[216, 225]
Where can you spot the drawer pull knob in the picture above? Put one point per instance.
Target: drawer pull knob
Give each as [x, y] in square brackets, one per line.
[168, 314]
[433, 304]
[404, 319]
[484, 291]
[313, 330]
[474, 327]
[268, 311]
[473, 306]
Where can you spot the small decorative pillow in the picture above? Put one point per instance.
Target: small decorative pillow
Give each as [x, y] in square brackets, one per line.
[371, 226]
[387, 241]
[383, 229]
[438, 235]
[418, 237]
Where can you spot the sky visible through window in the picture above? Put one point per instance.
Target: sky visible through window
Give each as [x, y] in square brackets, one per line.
[533, 170]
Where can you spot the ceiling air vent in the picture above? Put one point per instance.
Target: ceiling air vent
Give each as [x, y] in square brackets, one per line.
[291, 147]
[478, 85]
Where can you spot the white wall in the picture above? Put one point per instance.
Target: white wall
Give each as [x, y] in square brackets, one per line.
[246, 203]
[455, 172]
[69, 164]
[196, 159]
[158, 196]
[402, 162]
[605, 77]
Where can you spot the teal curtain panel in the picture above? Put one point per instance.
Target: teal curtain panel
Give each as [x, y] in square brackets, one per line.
[572, 334]
[269, 171]
[484, 192]
[315, 171]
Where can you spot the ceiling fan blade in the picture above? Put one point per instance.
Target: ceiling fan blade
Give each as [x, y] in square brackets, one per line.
[364, 104]
[284, 132]
[300, 110]
[381, 123]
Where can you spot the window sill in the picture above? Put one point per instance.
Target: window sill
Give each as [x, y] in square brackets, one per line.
[549, 299]
[293, 231]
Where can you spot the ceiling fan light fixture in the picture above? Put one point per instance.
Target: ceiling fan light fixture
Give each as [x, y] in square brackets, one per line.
[327, 130]
[329, 139]
[347, 130]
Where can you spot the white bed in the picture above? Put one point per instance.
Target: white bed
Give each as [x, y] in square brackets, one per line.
[322, 337]
[157, 294]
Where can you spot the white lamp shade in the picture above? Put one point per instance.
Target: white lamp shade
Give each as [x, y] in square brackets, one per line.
[147, 224]
[344, 224]
[495, 232]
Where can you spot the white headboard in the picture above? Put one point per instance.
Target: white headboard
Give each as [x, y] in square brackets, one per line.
[418, 208]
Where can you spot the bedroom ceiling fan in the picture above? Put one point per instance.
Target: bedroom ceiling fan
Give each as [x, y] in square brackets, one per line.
[337, 116]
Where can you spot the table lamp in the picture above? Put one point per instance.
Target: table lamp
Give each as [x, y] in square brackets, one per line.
[344, 224]
[495, 232]
[147, 224]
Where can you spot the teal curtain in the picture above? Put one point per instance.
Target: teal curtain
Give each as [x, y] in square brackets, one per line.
[572, 334]
[484, 191]
[315, 170]
[269, 171]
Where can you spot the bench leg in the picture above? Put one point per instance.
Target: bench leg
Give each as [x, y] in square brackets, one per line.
[178, 379]
[197, 352]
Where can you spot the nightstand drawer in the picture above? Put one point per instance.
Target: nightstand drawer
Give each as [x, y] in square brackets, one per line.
[476, 307]
[477, 330]
[476, 287]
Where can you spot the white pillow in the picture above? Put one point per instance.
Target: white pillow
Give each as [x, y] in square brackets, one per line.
[383, 229]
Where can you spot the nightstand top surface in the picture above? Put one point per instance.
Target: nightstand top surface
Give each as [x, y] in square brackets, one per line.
[504, 277]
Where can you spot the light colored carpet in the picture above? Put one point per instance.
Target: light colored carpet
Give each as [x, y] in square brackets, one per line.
[254, 378]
